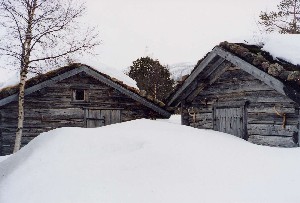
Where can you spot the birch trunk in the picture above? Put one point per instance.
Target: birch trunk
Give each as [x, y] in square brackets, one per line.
[23, 74]
[21, 112]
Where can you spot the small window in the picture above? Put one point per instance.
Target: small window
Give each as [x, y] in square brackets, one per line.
[79, 95]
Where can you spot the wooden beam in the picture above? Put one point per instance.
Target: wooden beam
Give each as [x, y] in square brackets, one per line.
[232, 104]
[259, 74]
[221, 68]
[93, 74]
[41, 85]
[184, 113]
[197, 81]
[201, 86]
[212, 68]
[193, 76]
[298, 126]
[125, 91]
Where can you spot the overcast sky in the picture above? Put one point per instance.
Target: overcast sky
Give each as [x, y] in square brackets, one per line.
[171, 31]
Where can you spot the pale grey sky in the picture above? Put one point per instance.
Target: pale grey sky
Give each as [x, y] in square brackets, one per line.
[172, 31]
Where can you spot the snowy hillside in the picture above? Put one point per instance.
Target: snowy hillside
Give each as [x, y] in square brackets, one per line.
[179, 70]
[148, 161]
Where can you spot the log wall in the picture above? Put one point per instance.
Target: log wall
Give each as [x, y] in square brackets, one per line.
[52, 107]
[264, 126]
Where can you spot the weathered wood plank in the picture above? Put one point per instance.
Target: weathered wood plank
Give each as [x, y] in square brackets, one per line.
[272, 141]
[218, 71]
[192, 77]
[271, 118]
[51, 108]
[41, 85]
[271, 130]
[184, 114]
[259, 74]
[298, 125]
[251, 96]
[126, 92]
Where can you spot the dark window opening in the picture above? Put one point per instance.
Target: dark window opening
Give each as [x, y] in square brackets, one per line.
[79, 95]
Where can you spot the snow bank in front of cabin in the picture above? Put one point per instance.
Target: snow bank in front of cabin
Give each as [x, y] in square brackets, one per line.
[148, 161]
[2, 158]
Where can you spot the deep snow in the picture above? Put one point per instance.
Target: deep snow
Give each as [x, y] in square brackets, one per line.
[148, 161]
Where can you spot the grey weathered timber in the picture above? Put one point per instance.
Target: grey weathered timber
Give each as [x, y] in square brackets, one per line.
[298, 125]
[193, 75]
[132, 95]
[54, 107]
[92, 73]
[233, 104]
[41, 85]
[201, 81]
[273, 141]
[259, 74]
[221, 68]
[184, 113]
[231, 119]
[100, 117]
[237, 92]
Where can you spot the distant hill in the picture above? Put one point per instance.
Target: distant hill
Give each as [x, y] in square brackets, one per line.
[179, 70]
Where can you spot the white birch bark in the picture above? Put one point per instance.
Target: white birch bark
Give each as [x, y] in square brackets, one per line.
[23, 73]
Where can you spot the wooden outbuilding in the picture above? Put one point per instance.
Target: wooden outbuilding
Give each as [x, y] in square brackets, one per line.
[72, 96]
[241, 90]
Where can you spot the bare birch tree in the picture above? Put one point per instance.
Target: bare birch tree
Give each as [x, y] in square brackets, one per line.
[40, 33]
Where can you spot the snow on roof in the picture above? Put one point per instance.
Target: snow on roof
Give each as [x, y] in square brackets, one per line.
[9, 79]
[280, 46]
[150, 161]
[111, 71]
[286, 47]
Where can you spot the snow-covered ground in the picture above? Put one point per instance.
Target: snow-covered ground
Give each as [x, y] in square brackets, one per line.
[148, 161]
[2, 158]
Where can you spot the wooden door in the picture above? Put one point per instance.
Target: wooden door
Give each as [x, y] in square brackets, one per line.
[230, 120]
[100, 117]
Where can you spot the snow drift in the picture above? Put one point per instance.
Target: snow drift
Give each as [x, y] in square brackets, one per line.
[148, 161]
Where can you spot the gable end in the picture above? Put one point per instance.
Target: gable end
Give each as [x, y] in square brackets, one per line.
[96, 76]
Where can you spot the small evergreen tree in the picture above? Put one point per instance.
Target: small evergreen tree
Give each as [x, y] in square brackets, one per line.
[285, 20]
[152, 77]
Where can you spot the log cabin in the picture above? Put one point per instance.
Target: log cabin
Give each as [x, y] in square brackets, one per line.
[242, 90]
[72, 96]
